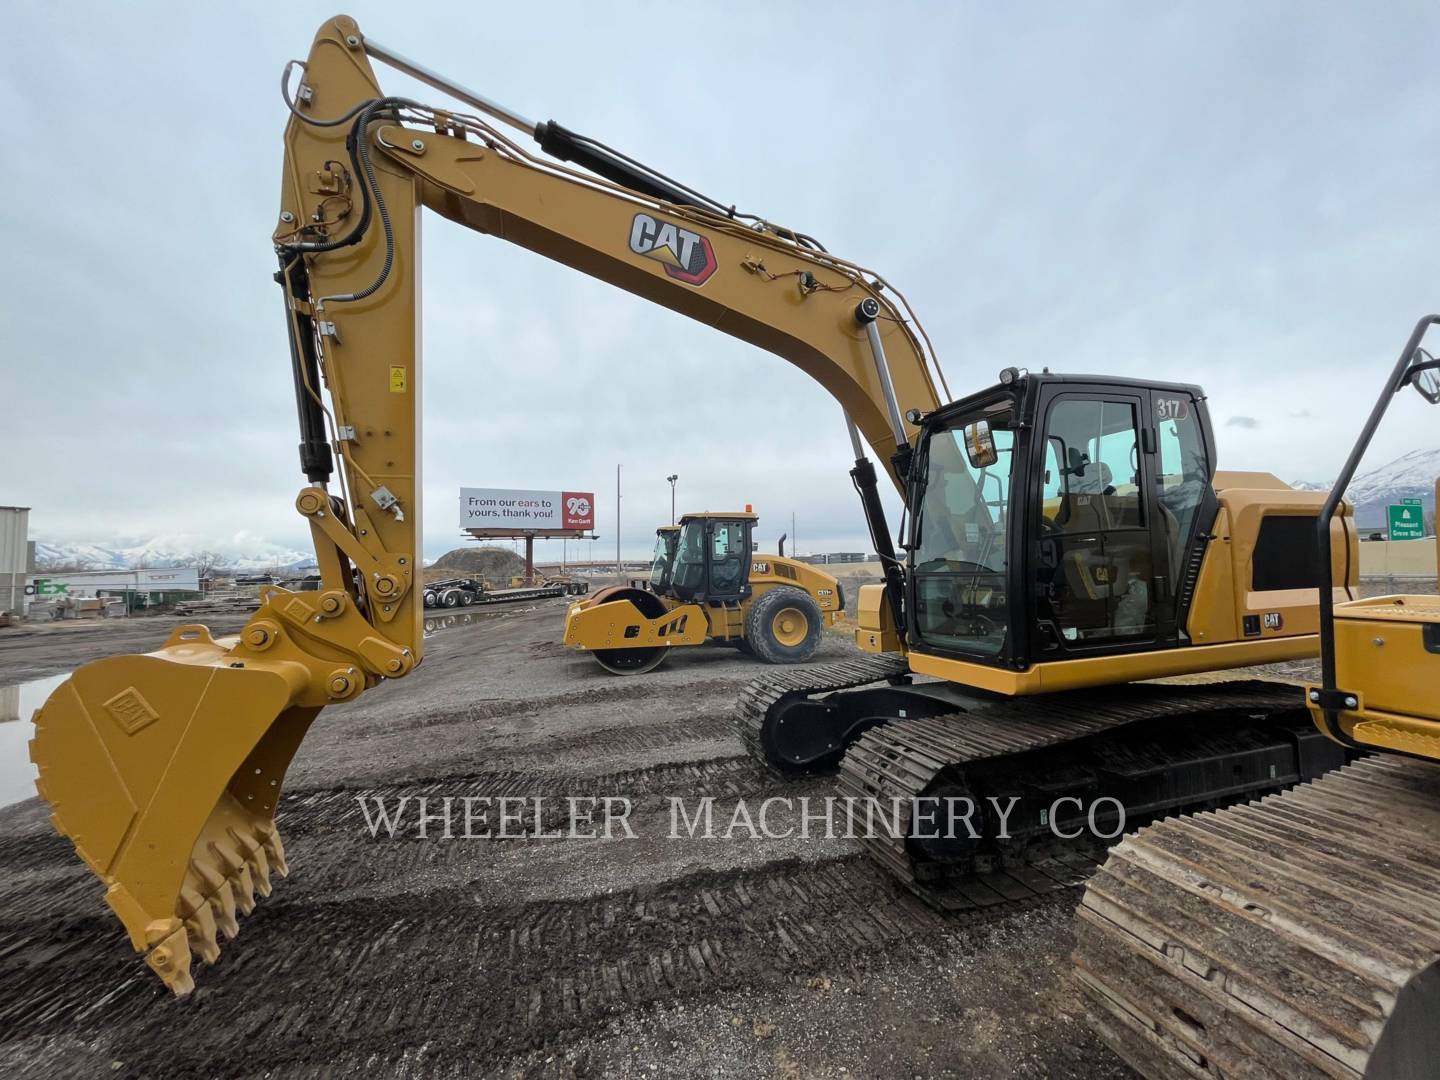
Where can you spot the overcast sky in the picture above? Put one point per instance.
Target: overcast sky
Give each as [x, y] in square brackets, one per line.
[1242, 195]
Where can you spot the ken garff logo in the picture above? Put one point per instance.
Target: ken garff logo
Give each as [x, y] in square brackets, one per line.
[577, 506]
[687, 256]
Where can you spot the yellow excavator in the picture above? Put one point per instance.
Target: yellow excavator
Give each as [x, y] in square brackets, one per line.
[1064, 536]
[1296, 936]
[708, 583]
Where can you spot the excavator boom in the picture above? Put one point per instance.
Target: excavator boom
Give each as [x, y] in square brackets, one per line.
[165, 769]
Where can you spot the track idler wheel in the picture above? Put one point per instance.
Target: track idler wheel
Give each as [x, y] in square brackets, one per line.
[631, 661]
[165, 771]
[800, 736]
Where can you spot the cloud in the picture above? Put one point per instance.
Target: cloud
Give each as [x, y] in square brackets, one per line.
[1249, 423]
[145, 344]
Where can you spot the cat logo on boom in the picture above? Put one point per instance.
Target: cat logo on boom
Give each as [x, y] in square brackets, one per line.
[687, 256]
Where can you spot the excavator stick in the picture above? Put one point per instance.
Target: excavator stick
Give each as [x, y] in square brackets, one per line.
[165, 771]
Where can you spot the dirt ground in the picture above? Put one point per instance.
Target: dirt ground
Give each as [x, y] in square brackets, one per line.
[622, 957]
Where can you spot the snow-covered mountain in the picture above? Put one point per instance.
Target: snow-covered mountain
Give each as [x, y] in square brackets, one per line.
[241, 553]
[1411, 476]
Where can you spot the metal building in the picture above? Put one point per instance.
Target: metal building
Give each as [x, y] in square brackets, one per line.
[14, 557]
[160, 585]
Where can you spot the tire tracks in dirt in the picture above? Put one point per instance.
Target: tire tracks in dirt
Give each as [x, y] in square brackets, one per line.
[367, 975]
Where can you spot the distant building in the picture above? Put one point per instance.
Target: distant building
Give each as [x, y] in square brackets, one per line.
[140, 588]
[17, 555]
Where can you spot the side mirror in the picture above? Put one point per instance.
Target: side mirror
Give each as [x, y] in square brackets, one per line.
[980, 445]
[1425, 376]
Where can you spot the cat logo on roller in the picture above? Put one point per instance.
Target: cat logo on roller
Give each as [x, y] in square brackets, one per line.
[687, 255]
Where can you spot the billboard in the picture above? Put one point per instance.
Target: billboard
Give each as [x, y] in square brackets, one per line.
[510, 512]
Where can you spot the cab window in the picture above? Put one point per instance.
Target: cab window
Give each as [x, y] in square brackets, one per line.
[727, 555]
[961, 544]
[1094, 564]
[1184, 470]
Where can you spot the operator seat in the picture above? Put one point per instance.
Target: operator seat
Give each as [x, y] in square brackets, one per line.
[725, 576]
[1084, 507]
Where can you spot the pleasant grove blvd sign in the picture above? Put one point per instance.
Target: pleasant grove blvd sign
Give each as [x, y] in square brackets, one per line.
[1407, 520]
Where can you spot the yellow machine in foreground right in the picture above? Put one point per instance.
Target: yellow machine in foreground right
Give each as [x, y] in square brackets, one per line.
[1296, 936]
[708, 583]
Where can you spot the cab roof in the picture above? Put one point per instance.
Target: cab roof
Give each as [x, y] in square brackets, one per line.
[726, 515]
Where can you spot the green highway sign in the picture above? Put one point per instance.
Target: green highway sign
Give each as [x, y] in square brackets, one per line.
[1407, 520]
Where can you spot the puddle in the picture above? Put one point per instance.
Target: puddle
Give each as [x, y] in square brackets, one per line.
[436, 623]
[17, 705]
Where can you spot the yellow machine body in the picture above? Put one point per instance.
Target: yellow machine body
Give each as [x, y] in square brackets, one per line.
[165, 769]
[1283, 623]
[1387, 655]
[661, 617]
[611, 620]
[604, 620]
[1387, 658]
[1295, 935]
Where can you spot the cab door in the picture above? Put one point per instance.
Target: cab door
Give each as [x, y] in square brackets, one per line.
[728, 559]
[1101, 578]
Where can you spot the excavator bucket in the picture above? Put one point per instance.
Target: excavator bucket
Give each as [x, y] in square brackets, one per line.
[165, 771]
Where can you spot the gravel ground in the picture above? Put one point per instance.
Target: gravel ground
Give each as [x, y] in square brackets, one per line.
[651, 956]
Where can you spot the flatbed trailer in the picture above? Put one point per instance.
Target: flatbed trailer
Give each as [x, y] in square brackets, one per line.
[464, 591]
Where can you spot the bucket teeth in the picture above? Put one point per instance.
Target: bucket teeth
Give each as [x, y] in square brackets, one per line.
[256, 862]
[237, 875]
[224, 877]
[202, 930]
[259, 864]
[244, 889]
[270, 839]
[227, 857]
[200, 922]
[221, 897]
[170, 959]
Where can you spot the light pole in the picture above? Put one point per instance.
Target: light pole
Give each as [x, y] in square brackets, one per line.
[618, 568]
[672, 478]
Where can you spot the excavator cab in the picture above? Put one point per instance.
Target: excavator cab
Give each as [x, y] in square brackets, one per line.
[1055, 518]
[712, 558]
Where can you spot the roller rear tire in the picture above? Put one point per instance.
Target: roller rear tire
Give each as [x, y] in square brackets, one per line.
[784, 626]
